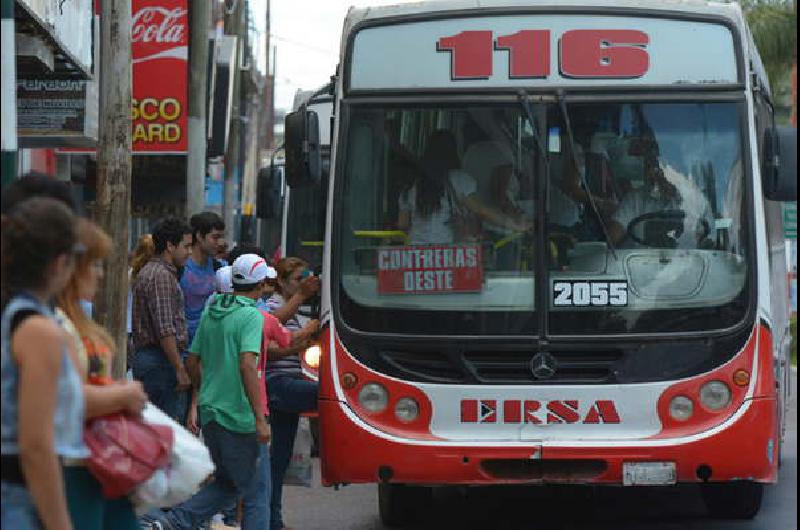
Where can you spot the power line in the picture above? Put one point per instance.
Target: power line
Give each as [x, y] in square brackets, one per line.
[309, 47]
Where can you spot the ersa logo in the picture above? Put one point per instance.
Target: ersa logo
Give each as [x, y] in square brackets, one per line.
[539, 412]
[583, 54]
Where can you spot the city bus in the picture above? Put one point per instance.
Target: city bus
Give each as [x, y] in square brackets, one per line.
[553, 251]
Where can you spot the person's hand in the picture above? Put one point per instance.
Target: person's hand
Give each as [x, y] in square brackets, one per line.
[263, 433]
[133, 395]
[311, 327]
[192, 422]
[309, 286]
[184, 383]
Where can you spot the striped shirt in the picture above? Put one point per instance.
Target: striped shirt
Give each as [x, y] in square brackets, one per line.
[289, 365]
[158, 306]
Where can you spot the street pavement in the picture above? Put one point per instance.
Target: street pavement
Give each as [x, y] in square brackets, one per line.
[355, 507]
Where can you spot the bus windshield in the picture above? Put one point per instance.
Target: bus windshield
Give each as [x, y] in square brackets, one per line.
[630, 216]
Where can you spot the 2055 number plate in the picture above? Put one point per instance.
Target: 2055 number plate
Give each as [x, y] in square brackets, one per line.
[590, 293]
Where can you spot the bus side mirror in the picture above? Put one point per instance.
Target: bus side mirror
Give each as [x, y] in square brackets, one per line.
[779, 173]
[266, 206]
[303, 159]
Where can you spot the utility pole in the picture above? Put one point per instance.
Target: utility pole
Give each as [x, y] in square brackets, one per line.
[113, 206]
[233, 26]
[198, 66]
[9, 94]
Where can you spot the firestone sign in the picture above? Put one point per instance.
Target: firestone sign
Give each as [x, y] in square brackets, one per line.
[160, 45]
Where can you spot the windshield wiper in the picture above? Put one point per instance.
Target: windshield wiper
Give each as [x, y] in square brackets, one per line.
[526, 106]
[563, 106]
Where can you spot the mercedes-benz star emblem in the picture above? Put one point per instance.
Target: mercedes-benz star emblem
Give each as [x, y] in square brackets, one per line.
[543, 365]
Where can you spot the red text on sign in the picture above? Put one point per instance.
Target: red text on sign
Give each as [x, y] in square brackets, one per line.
[583, 53]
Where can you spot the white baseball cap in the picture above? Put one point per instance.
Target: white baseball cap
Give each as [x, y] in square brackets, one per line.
[249, 269]
[223, 281]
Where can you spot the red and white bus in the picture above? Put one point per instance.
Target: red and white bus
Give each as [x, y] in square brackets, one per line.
[553, 251]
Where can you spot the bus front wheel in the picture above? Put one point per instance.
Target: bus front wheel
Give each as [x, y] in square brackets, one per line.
[733, 500]
[401, 504]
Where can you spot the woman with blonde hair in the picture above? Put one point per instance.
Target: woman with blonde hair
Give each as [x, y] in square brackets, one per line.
[89, 510]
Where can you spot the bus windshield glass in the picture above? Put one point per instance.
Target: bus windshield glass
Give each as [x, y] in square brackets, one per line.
[644, 227]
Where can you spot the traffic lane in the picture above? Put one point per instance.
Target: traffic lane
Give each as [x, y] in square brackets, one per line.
[557, 508]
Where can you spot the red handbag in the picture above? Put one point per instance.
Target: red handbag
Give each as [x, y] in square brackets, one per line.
[125, 451]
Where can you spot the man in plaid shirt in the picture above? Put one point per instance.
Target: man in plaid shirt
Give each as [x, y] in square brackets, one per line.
[159, 322]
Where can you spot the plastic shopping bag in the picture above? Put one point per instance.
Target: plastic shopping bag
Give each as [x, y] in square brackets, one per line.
[299, 472]
[190, 464]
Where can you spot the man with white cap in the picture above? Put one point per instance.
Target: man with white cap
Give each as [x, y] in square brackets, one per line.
[230, 406]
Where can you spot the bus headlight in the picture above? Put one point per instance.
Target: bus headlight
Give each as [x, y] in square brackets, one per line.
[715, 395]
[681, 408]
[373, 397]
[311, 355]
[406, 410]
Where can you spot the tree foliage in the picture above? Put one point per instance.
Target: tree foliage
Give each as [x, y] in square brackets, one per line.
[774, 27]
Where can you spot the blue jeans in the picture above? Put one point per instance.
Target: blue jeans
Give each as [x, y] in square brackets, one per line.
[235, 456]
[288, 397]
[17, 510]
[153, 369]
[255, 504]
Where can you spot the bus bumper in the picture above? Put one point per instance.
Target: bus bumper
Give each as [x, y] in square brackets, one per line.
[744, 448]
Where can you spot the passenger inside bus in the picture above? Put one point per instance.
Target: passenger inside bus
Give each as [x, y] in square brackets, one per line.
[442, 206]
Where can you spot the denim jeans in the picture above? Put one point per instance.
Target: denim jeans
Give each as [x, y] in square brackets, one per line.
[17, 510]
[288, 397]
[255, 503]
[153, 369]
[235, 456]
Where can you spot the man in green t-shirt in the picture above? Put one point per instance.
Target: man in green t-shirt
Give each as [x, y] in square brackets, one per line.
[226, 346]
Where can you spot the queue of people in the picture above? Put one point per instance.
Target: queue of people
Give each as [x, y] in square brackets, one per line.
[214, 345]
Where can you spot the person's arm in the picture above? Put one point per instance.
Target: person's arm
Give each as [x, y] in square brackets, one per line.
[248, 369]
[297, 346]
[163, 306]
[195, 369]
[38, 346]
[494, 217]
[101, 400]
[170, 346]
[309, 286]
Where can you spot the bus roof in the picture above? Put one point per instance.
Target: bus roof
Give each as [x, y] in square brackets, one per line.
[730, 11]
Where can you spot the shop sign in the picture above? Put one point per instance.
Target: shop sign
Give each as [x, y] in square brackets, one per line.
[160, 50]
[56, 113]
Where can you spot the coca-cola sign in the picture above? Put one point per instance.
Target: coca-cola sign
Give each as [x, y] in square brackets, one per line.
[159, 29]
[160, 44]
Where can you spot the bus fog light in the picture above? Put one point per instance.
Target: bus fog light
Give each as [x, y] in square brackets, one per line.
[715, 395]
[373, 397]
[681, 408]
[311, 355]
[406, 410]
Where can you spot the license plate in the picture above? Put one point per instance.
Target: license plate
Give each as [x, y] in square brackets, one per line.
[648, 473]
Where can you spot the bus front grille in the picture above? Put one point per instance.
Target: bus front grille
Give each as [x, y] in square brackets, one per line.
[595, 367]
